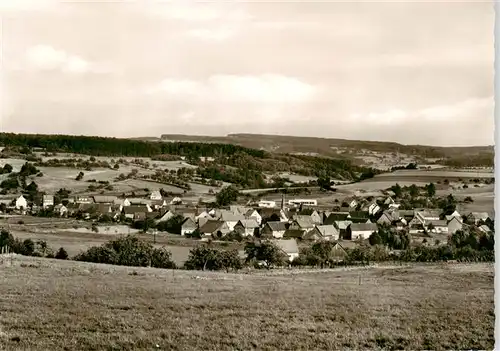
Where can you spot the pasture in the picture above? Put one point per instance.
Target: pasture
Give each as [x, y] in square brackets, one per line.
[63, 305]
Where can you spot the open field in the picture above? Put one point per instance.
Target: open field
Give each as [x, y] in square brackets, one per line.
[49, 304]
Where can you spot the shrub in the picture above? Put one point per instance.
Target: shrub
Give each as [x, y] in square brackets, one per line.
[61, 254]
[203, 257]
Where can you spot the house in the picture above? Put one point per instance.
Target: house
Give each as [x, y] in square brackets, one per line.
[131, 211]
[252, 213]
[47, 201]
[103, 209]
[342, 227]
[175, 201]
[188, 226]
[138, 201]
[353, 204]
[302, 223]
[455, 214]
[157, 204]
[273, 214]
[230, 218]
[339, 252]
[155, 195]
[84, 200]
[289, 247]
[475, 217]
[214, 227]
[246, 227]
[273, 229]
[266, 204]
[389, 201]
[323, 232]
[336, 216]
[373, 209]
[101, 199]
[21, 203]
[166, 216]
[454, 225]
[425, 215]
[439, 226]
[294, 233]
[60, 209]
[357, 231]
[314, 217]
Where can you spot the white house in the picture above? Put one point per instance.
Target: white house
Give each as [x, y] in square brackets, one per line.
[47, 201]
[246, 227]
[361, 230]
[274, 229]
[21, 203]
[60, 209]
[373, 209]
[255, 215]
[289, 247]
[188, 226]
[305, 202]
[267, 204]
[155, 195]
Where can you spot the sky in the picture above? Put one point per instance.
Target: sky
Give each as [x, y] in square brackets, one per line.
[417, 72]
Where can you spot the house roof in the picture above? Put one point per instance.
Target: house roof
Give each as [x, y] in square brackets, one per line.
[288, 246]
[189, 223]
[294, 233]
[139, 201]
[248, 223]
[342, 225]
[426, 213]
[231, 217]
[359, 214]
[363, 227]
[327, 230]
[104, 199]
[135, 209]
[406, 213]
[268, 212]
[211, 226]
[336, 216]
[438, 223]
[277, 226]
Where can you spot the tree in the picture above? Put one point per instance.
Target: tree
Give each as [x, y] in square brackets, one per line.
[7, 168]
[324, 183]
[61, 254]
[267, 252]
[431, 190]
[226, 196]
[397, 190]
[204, 257]
[79, 176]
[414, 192]
[375, 239]
[116, 166]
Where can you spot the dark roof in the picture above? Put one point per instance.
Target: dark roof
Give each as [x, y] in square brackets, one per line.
[212, 226]
[277, 226]
[293, 233]
[359, 214]
[363, 226]
[336, 216]
[189, 223]
[358, 220]
[134, 209]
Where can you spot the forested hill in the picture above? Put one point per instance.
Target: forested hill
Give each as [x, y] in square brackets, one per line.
[243, 158]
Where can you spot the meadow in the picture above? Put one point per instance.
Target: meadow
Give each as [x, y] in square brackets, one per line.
[63, 305]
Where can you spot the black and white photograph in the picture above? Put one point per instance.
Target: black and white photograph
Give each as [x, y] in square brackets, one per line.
[247, 175]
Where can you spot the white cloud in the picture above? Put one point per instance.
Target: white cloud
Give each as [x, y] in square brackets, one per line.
[467, 109]
[267, 88]
[219, 34]
[45, 57]
[192, 11]
[26, 5]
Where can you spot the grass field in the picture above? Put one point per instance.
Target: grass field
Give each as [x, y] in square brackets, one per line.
[48, 304]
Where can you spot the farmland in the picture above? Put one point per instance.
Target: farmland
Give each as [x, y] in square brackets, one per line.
[49, 304]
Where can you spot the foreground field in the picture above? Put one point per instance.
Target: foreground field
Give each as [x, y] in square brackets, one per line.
[54, 305]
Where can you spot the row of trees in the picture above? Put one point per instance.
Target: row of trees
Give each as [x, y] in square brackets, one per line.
[131, 251]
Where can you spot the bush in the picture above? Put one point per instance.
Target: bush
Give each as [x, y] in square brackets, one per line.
[203, 258]
[61, 254]
[128, 251]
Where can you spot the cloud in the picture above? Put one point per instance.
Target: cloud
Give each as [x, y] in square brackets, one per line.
[26, 5]
[267, 88]
[191, 11]
[466, 109]
[218, 34]
[47, 58]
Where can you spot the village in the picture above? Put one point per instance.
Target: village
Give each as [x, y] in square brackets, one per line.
[290, 224]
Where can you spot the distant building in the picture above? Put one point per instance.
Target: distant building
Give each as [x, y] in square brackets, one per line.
[47, 201]
[267, 204]
[304, 202]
